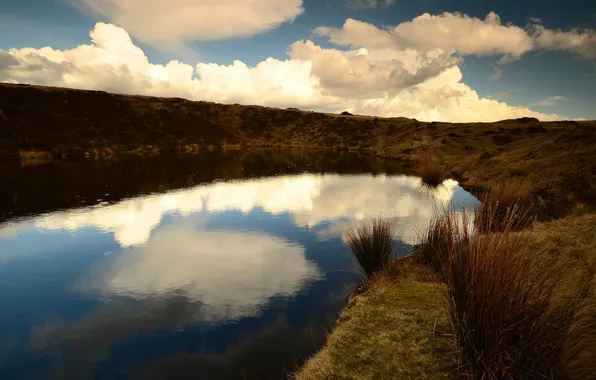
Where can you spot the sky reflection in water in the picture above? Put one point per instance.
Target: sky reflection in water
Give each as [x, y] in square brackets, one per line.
[219, 279]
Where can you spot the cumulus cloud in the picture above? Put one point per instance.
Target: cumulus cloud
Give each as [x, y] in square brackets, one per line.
[456, 32]
[465, 34]
[164, 22]
[357, 34]
[113, 63]
[445, 97]
[448, 31]
[422, 83]
[370, 4]
[582, 42]
[364, 73]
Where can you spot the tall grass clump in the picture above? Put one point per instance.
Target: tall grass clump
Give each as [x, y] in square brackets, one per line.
[502, 298]
[429, 169]
[434, 242]
[505, 204]
[370, 244]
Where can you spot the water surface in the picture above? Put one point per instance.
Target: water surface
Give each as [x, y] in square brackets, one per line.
[217, 266]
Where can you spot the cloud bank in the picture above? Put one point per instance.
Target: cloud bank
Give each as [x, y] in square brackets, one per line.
[448, 31]
[410, 70]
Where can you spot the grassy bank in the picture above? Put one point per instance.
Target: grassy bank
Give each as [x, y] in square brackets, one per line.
[393, 329]
[397, 326]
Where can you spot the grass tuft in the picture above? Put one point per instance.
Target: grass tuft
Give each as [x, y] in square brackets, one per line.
[370, 244]
[502, 297]
[430, 170]
[433, 242]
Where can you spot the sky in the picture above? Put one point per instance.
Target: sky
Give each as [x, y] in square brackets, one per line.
[433, 60]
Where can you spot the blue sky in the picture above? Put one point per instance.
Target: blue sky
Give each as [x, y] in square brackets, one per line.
[555, 77]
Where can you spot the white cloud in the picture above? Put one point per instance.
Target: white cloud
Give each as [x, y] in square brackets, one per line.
[310, 199]
[497, 74]
[455, 32]
[357, 34]
[370, 4]
[448, 31]
[367, 74]
[445, 97]
[256, 267]
[578, 41]
[425, 84]
[165, 22]
[467, 35]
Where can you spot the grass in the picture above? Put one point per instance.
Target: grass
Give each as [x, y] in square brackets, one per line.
[571, 243]
[390, 330]
[505, 205]
[503, 298]
[432, 242]
[429, 169]
[506, 305]
[370, 244]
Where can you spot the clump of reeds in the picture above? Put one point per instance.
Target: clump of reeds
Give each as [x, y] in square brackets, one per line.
[429, 169]
[370, 244]
[507, 203]
[501, 297]
[433, 242]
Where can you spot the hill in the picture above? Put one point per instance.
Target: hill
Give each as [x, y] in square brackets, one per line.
[45, 123]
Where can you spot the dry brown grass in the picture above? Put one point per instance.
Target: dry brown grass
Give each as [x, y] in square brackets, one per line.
[432, 242]
[502, 299]
[507, 204]
[393, 329]
[429, 169]
[572, 240]
[370, 244]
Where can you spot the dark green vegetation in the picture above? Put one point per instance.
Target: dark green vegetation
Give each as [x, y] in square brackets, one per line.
[370, 244]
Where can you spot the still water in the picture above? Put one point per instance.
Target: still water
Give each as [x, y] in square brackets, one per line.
[216, 266]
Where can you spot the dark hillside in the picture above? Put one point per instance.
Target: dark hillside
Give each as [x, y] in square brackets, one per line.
[41, 124]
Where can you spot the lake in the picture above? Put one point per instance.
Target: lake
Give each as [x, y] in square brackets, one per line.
[222, 265]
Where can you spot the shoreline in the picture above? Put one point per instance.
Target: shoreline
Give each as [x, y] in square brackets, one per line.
[557, 158]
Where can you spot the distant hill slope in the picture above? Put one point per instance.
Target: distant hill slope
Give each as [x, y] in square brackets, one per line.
[73, 121]
[559, 158]
[70, 121]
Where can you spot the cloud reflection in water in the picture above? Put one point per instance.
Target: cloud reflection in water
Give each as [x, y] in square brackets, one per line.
[232, 274]
[310, 199]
